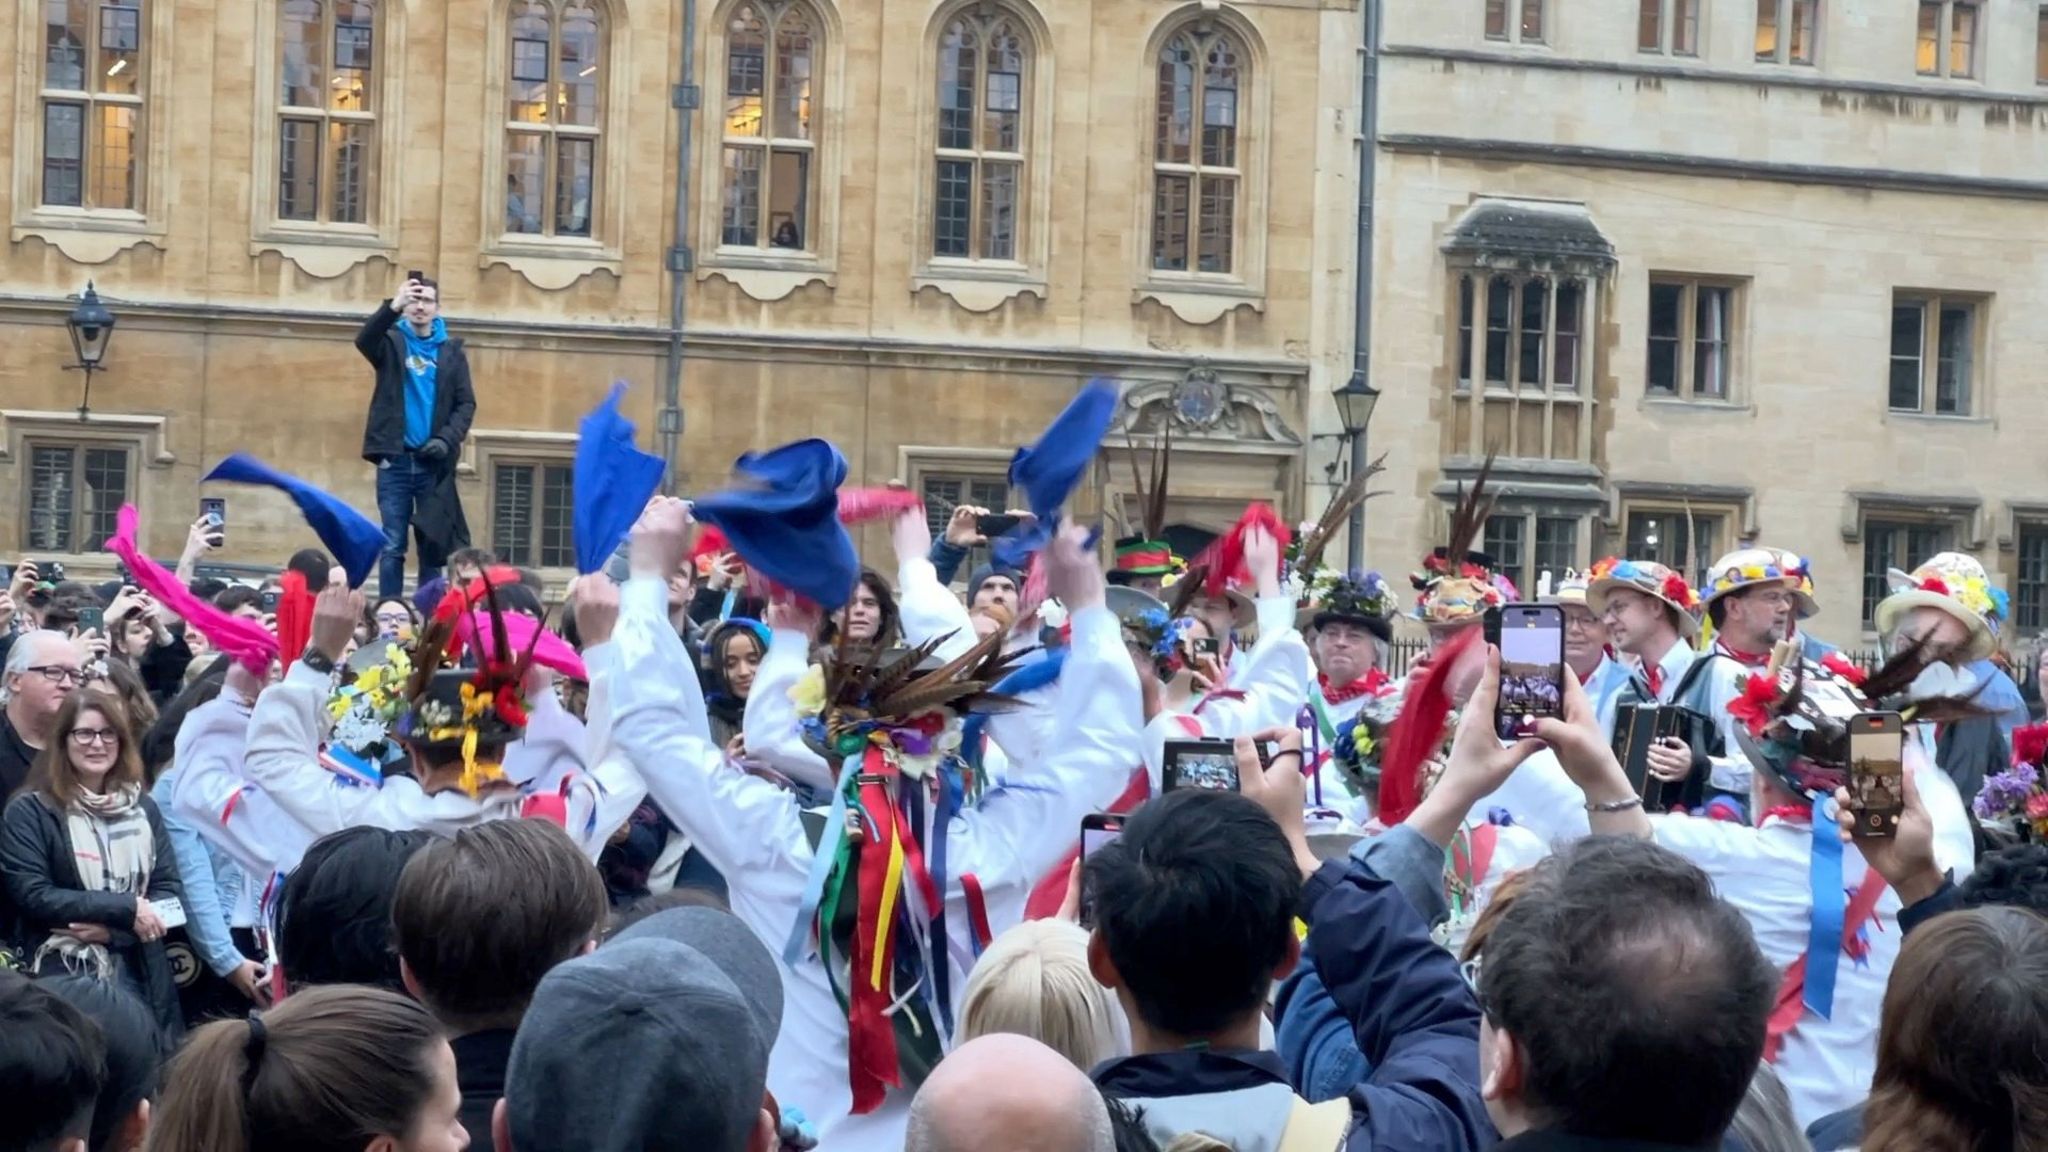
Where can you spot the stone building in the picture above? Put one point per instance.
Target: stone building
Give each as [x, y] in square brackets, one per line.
[914, 227]
[1706, 272]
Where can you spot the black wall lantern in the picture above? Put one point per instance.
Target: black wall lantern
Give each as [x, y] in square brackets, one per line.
[92, 329]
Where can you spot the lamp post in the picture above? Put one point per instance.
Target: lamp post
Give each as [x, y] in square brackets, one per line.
[92, 329]
[1355, 402]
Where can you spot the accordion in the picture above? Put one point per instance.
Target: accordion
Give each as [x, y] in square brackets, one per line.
[1637, 726]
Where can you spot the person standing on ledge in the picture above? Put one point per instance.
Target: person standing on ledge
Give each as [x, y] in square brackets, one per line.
[419, 414]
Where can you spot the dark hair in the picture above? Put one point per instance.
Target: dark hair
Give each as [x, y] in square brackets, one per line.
[2015, 876]
[134, 1045]
[207, 587]
[53, 1063]
[334, 913]
[160, 743]
[687, 896]
[714, 655]
[1127, 1124]
[54, 777]
[520, 598]
[1195, 903]
[135, 700]
[328, 1070]
[482, 917]
[238, 596]
[1962, 1046]
[1618, 972]
[314, 565]
[66, 600]
[887, 628]
[469, 557]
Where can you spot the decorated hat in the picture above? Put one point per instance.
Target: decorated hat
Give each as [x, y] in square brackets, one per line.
[1569, 589]
[1457, 583]
[1760, 567]
[1651, 579]
[2018, 796]
[1361, 598]
[477, 711]
[1301, 560]
[1145, 620]
[363, 708]
[1952, 583]
[874, 909]
[1147, 553]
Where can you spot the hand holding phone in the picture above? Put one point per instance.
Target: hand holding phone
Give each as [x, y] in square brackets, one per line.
[995, 524]
[1531, 642]
[1877, 794]
[1205, 764]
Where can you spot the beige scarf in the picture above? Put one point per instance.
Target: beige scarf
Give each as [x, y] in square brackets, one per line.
[113, 847]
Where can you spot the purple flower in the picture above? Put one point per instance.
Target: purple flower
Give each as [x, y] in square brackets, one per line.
[2006, 792]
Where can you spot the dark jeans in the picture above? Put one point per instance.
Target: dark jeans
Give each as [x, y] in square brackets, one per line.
[401, 482]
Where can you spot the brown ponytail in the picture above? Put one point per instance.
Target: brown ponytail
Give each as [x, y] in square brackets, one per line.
[328, 1070]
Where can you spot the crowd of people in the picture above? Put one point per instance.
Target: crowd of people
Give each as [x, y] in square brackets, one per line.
[746, 846]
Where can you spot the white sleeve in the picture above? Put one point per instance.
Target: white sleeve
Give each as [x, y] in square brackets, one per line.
[601, 800]
[1273, 678]
[770, 725]
[283, 760]
[211, 796]
[740, 823]
[554, 743]
[929, 609]
[1014, 836]
[1730, 771]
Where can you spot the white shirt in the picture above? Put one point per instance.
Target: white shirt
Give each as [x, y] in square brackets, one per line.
[751, 831]
[1272, 677]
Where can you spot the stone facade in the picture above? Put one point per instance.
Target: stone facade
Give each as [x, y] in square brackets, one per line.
[1712, 254]
[234, 324]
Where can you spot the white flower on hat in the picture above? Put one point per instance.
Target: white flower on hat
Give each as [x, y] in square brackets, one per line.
[1053, 613]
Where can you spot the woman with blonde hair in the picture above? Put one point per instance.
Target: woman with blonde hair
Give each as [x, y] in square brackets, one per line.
[1034, 981]
[333, 1069]
[1962, 1046]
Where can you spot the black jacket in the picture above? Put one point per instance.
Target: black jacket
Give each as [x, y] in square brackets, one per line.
[16, 758]
[454, 400]
[42, 880]
[480, 1060]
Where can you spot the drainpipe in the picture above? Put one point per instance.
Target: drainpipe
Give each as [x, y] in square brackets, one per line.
[682, 261]
[1368, 156]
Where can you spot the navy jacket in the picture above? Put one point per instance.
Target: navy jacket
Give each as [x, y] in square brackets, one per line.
[1416, 1023]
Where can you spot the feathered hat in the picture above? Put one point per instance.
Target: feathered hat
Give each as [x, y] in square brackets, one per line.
[1302, 562]
[1457, 583]
[875, 906]
[477, 711]
[1361, 598]
[1147, 553]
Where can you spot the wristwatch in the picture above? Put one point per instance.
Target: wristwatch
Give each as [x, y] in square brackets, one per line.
[317, 660]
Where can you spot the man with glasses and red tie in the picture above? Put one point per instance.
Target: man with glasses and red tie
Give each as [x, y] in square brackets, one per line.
[42, 669]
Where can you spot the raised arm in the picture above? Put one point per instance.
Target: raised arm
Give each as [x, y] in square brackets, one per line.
[770, 725]
[370, 339]
[214, 798]
[928, 608]
[1018, 834]
[740, 823]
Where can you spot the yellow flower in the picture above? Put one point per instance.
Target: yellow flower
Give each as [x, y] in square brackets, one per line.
[808, 694]
[473, 702]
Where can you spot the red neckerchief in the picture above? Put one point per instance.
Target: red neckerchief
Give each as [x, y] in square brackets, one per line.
[1797, 813]
[1366, 685]
[1654, 674]
[1746, 659]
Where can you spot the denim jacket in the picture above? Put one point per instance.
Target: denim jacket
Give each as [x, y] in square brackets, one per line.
[213, 884]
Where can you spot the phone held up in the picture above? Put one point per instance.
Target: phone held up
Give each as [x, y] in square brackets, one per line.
[995, 524]
[92, 619]
[1097, 829]
[215, 511]
[1531, 642]
[1877, 786]
[1205, 764]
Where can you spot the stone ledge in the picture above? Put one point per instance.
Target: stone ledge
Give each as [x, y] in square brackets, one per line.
[1199, 304]
[91, 238]
[979, 291]
[770, 284]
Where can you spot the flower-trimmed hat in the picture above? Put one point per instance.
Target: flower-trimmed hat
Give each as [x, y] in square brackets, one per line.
[1952, 583]
[1755, 567]
[1457, 583]
[477, 711]
[1146, 552]
[1361, 598]
[1651, 579]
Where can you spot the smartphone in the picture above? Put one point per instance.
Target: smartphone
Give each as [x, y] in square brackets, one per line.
[268, 601]
[996, 524]
[1877, 784]
[1205, 764]
[1207, 646]
[170, 910]
[215, 510]
[415, 274]
[1531, 642]
[93, 618]
[1097, 829]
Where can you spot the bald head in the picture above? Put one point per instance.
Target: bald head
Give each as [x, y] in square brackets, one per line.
[1010, 1092]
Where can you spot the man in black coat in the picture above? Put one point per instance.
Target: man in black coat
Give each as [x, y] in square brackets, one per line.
[419, 414]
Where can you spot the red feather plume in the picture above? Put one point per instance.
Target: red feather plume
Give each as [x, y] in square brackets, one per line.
[1225, 558]
[294, 617]
[860, 505]
[1418, 732]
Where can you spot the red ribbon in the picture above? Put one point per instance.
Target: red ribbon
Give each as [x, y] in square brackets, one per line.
[871, 1040]
[294, 617]
[977, 911]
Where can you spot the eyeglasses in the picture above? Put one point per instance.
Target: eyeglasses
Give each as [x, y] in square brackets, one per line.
[393, 618]
[58, 674]
[95, 736]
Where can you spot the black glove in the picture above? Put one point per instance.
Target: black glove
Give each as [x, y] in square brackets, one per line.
[434, 449]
